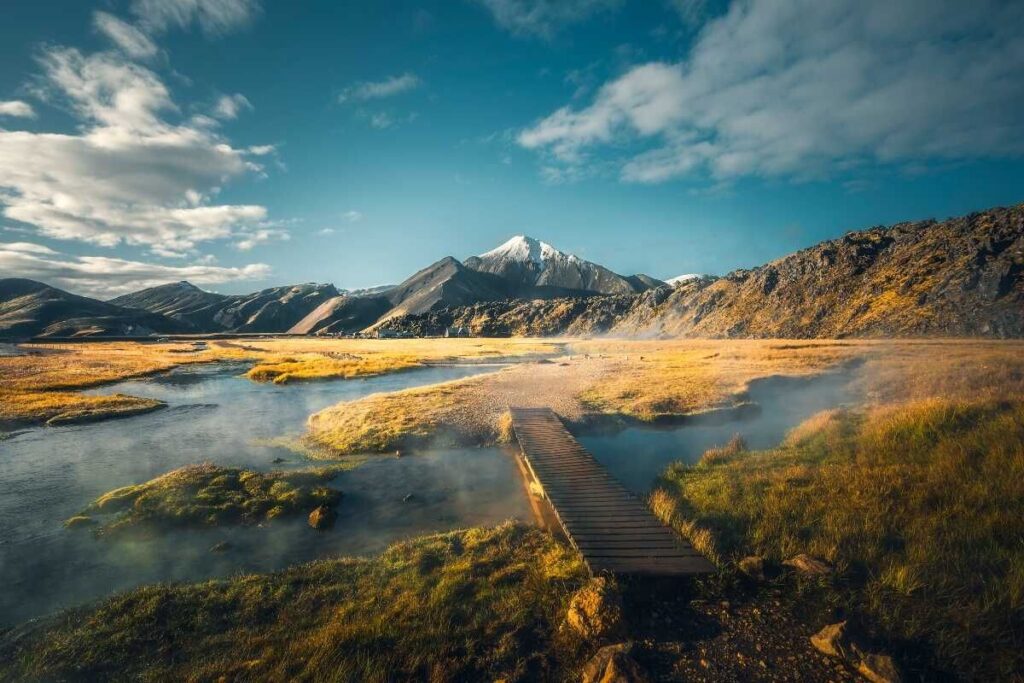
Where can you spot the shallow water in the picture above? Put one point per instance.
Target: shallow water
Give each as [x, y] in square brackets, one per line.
[637, 455]
[49, 474]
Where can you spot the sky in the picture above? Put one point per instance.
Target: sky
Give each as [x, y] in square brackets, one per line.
[241, 144]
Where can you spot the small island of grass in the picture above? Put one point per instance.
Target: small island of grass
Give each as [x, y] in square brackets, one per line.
[209, 495]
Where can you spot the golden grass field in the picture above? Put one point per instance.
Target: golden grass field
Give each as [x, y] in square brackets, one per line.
[46, 384]
[652, 380]
[914, 494]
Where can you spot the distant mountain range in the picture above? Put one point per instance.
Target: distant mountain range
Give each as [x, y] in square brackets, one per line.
[960, 277]
[522, 268]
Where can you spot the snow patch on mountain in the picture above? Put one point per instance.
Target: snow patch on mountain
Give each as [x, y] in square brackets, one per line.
[680, 279]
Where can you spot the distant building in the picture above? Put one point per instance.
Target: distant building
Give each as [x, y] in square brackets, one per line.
[457, 331]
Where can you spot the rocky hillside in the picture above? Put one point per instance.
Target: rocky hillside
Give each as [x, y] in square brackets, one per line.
[963, 276]
[960, 277]
[29, 309]
[271, 310]
[180, 300]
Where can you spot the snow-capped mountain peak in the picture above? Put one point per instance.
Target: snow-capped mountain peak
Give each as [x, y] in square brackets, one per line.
[523, 249]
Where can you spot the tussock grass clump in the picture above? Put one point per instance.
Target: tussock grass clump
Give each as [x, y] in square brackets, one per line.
[209, 495]
[479, 604]
[918, 505]
[312, 367]
[735, 446]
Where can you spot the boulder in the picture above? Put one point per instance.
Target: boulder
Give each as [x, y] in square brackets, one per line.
[878, 669]
[838, 641]
[752, 567]
[595, 611]
[322, 517]
[809, 566]
[835, 641]
[614, 664]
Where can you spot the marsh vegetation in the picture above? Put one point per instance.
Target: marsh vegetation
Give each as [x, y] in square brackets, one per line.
[207, 495]
[908, 485]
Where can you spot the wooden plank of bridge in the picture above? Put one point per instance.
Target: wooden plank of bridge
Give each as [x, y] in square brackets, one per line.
[613, 530]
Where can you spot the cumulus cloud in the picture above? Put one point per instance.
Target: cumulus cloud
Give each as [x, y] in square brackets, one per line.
[797, 88]
[230, 106]
[17, 108]
[214, 17]
[353, 216]
[543, 18]
[129, 175]
[375, 90]
[130, 39]
[105, 277]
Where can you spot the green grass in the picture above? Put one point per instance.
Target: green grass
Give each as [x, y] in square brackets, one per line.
[479, 604]
[209, 495]
[920, 507]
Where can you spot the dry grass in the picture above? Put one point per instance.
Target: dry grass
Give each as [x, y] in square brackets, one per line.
[471, 411]
[289, 360]
[657, 379]
[918, 504]
[652, 380]
[45, 384]
[474, 605]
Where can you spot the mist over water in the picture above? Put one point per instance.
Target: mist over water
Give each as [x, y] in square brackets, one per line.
[637, 455]
[49, 474]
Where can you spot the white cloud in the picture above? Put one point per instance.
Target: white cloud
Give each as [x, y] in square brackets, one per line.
[325, 232]
[230, 106]
[108, 277]
[130, 39]
[215, 17]
[543, 17]
[17, 108]
[796, 88]
[129, 176]
[252, 238]
[353, 216]
[375, 90]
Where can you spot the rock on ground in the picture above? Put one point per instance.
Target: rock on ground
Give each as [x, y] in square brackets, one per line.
[809, 566]
[596, 612]
[614, 664]
[322, 518]
[839, 642]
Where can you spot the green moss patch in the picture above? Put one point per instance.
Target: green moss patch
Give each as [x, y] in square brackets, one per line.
[208, 495]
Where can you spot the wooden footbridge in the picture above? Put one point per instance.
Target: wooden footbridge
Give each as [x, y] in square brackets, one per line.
[614, 531]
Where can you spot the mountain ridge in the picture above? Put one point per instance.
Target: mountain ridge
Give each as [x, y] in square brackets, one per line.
[960, 277]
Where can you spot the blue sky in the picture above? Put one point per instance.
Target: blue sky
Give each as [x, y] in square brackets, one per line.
[241, 144]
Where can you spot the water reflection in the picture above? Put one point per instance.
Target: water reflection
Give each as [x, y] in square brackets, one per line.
[637, 455]
[46, 475]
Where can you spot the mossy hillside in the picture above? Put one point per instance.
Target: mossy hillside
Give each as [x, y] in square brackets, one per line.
[479, 604]
[917, 505]
[210, 495]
